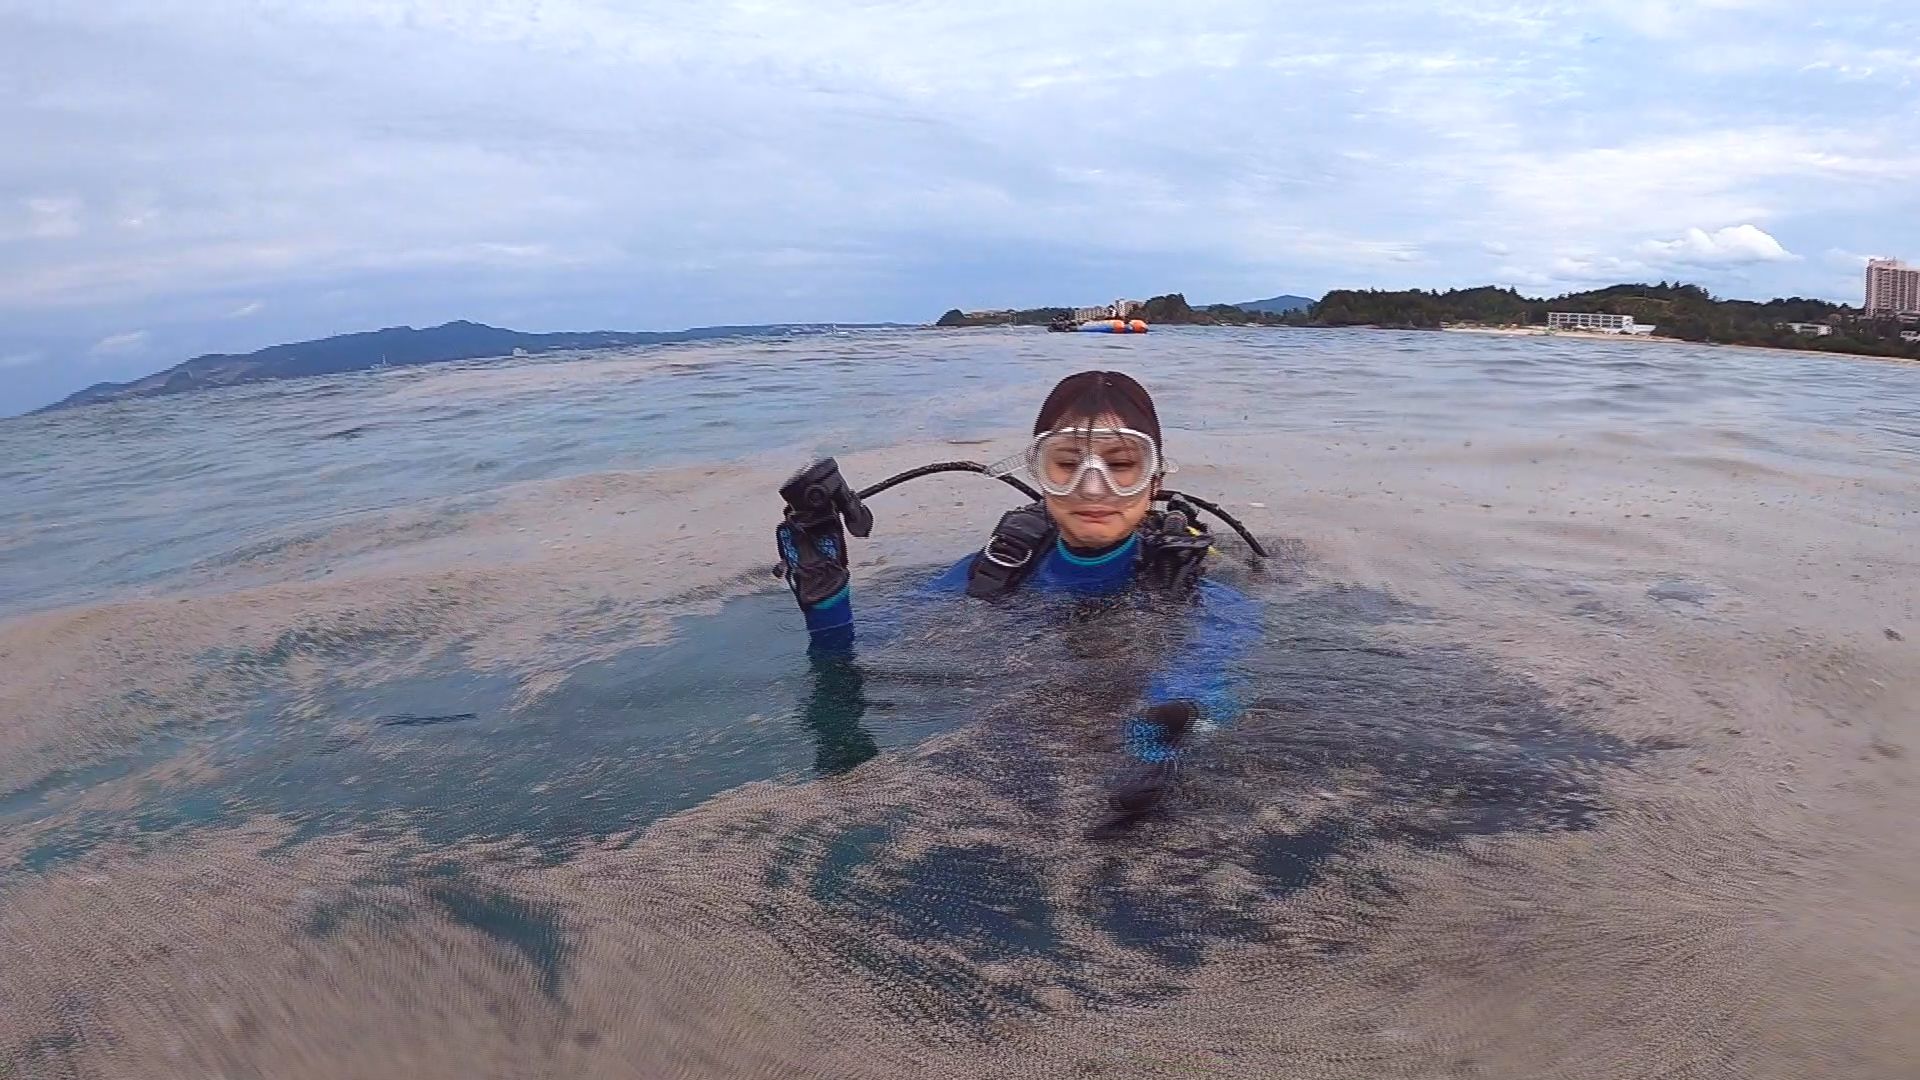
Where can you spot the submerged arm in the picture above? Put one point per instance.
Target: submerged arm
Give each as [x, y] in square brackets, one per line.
[1200, 683]
[1202, 680]
[1206, 670]
[835, 708]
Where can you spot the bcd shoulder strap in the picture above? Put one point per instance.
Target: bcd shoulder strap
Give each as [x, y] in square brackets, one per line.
[1013, 552]
[1173, 551]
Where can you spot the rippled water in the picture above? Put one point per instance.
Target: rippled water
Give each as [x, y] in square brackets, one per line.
[449, 716]
[133, 493]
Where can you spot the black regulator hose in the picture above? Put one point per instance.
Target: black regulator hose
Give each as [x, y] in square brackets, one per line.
[975, 467]
[940, 467]
[1231, 521]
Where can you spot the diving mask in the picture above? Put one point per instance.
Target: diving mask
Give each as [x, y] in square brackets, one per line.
[1127, 462]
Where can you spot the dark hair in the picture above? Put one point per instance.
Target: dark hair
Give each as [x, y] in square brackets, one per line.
[1090, 395]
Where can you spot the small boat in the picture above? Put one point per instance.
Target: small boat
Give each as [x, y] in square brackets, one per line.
[1114, 326]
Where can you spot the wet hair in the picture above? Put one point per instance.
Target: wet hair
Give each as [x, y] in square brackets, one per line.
[1089, 395]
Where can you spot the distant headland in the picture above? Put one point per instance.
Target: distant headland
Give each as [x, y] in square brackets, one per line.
[398, 346]
[1169, 310]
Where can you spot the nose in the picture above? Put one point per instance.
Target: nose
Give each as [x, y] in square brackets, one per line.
[1094, 483]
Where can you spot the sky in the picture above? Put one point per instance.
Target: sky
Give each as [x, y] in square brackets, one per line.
[189, 176]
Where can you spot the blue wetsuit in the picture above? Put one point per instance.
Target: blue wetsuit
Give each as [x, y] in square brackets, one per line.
[1201, 672]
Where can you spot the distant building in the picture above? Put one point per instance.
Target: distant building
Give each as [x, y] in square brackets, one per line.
[1595, 322]
[1893, 288]
[1119, 309]
[1811, 329]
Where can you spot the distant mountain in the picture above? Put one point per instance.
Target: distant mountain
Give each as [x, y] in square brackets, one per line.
[397, 346]
[1279, 305]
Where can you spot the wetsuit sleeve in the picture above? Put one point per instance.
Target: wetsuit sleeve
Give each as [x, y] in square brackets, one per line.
[830, 623]
[1205, 670]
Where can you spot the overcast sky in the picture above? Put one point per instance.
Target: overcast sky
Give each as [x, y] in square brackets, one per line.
[184, 176]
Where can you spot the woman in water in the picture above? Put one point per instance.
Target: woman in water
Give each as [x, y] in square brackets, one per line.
[1097, 456]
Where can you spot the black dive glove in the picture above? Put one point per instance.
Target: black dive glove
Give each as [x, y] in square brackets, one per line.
[1153, 742]
[811, 539]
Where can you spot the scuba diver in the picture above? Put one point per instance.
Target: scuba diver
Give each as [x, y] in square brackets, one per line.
[1102, 528]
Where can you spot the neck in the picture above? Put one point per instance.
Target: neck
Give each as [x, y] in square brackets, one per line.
[1080, 552]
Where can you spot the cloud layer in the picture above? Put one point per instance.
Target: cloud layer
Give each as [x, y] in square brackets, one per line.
[220, 174]
[1736, 245]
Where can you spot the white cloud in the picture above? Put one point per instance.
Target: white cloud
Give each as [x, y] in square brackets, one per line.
[1567, 267]
[1671, 181]
[1592, 267]
[1735, 245]
[119, 344]
[18, 360]
[1855, 64]
[684, 160]
[1668, 20]
[52, 217]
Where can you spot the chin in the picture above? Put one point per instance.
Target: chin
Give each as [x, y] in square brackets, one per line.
[1091, 534]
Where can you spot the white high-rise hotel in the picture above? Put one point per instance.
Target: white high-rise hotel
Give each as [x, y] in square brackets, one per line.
[1893, 288]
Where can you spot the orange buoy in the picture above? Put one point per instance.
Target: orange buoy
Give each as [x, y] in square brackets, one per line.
[1113, 326]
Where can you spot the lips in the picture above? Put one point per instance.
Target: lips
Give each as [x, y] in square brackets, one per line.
[1096, 515]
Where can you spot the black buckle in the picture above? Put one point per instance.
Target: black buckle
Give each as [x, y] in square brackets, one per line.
[1022, 552]
[1009, 554]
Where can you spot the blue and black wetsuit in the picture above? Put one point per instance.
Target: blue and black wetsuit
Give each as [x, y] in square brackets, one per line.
[1200, 672]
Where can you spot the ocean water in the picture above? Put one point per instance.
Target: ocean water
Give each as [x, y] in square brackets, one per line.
[132, 494]
[451, 716]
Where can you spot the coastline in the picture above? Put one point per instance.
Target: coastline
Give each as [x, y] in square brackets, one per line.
[1541, 331]
[1592, 335]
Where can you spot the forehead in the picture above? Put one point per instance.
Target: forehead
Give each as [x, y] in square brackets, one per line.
[1104, 420]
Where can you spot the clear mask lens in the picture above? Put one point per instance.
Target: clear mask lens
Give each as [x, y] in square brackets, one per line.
[1089, 462]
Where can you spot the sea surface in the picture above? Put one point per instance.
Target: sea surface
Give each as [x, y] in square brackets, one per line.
[449, 720]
